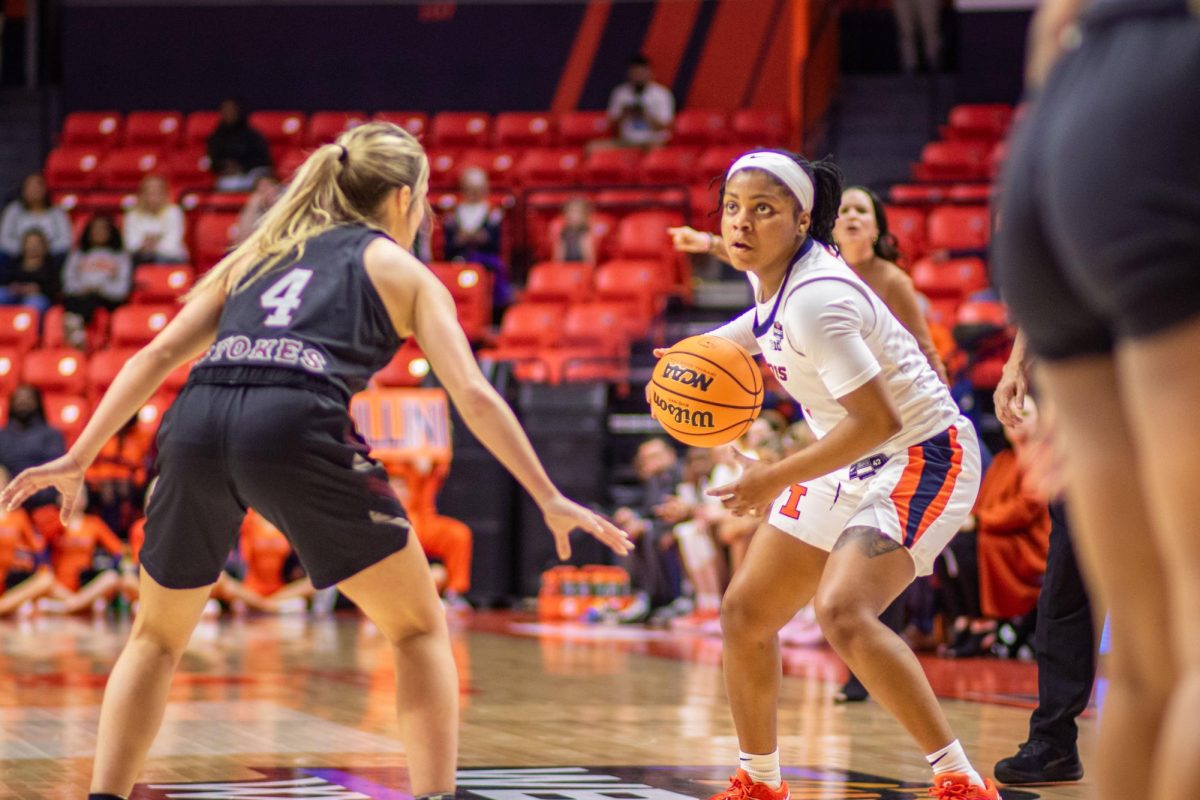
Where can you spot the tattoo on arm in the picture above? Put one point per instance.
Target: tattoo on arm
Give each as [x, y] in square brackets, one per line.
[871, 541]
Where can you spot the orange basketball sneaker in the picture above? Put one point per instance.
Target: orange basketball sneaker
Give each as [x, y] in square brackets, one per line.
[956, 786]
[741, 787]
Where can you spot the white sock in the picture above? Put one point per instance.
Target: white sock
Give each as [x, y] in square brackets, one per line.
[951, 758]
[762, 769]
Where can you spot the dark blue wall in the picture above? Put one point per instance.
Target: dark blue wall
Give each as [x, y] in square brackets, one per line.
[488, 57]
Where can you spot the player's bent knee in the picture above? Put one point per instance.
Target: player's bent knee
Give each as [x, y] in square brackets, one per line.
[841, 618]
[743, 617]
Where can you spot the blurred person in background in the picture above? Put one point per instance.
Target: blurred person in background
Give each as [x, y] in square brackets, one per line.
[154, 226]
[31, 279]
[238, 153]
[32, 211]
[98, 274]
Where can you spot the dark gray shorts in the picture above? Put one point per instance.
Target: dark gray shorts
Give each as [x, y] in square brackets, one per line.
[293, 456]
[1099, 225]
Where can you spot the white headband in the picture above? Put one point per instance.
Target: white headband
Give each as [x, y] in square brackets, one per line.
[782, 167]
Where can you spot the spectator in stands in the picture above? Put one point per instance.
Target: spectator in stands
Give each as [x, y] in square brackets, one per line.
[238, 152]
[21, 550]
[652, 567]
[691, 513]
[98, 274]
[266, 191]
[32, 211]
[118, 475]
[32, 279]
[83, 581]
[640, 111]
[265, 550]
[473, 231]
[444, 538]
[926, 14]
[154, 226]
[1011, 532]
[576, 240]
[27, 440]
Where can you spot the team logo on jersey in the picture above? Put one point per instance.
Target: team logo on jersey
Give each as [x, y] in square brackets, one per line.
[535, 783]
[688, 376]
[777, 336]
[239, 349]
[780, 373]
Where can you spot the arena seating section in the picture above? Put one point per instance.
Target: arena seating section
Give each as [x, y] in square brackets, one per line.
[571, 322]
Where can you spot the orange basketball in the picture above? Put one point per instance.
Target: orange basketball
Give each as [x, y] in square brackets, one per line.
[706, 391]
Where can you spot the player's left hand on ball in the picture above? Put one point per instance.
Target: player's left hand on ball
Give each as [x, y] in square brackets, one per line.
[563, 516]
[754, 490]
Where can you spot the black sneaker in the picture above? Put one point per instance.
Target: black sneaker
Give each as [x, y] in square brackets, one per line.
[1039, 762]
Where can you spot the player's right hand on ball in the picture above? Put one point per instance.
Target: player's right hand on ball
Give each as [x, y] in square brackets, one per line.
[563, 516]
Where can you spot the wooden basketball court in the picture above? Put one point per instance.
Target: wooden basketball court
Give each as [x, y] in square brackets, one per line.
[303, 707]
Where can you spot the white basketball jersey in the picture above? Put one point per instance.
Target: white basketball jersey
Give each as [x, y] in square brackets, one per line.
[825, 333]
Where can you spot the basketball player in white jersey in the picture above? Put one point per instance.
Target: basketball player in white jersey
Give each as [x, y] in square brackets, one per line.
[852, 519]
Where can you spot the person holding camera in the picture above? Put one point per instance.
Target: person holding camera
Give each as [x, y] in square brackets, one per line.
[640, 111]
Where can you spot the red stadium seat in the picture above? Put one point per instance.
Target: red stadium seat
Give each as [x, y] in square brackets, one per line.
[700, 126]
[134, 326]
[554, 282]
[969, 193]
[577, 128]
[907, 224]
[199, 126]
[289, 161]
[760, 127]
[325, 126]
[462, 129]
[124, 168]
[959, 228]
[54, 332]
[982, 312]
[161, 283]
[953, 161]
[100, 129]
[415, 122]
[61, 370]
[600, 328]
[444, 168]
[103, 368]
[500, 165]
[408, 368]
[524, 129]
[471, 286]
[526, 329]
[279, 128]
[987, 121]
[644, 235]
[549, 167]
[917, 194]
[18, 327]
[151, 414]
[211, 238]
[614, 165]
[996, 157]
[67, 413]
[158, 129]
[669, 164]
[10, 370]
[956, 277]
[190, 168]
[73, 167]
[715, 162]
[638, 286]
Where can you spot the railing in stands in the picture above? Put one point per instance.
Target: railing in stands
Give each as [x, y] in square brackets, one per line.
[818, 69]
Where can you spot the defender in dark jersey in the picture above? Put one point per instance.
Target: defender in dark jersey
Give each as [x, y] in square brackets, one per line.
[1096, 256]
[287, 328]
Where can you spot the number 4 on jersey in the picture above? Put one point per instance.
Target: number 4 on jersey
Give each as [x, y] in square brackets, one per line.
[791, 509]
[283, 298]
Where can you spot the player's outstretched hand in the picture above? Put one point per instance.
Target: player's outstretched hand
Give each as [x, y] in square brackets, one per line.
[563, 516]
[689, 240]
[62, 473]
[752, 493]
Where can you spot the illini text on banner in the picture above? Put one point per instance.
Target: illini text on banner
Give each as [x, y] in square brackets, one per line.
[404, 425]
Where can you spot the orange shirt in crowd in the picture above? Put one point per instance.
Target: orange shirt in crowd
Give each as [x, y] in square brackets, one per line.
[1014, 537]
[19, 543]
[123, 457]
[75, 546]
[441, 537]
[265, 549]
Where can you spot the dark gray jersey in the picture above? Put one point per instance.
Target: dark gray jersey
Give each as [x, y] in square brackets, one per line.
[313, 319]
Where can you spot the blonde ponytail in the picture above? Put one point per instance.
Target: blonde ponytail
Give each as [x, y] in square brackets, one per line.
[339, 184]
